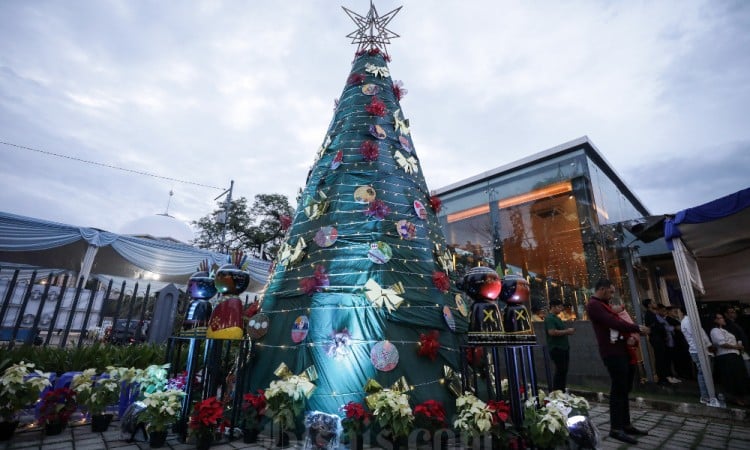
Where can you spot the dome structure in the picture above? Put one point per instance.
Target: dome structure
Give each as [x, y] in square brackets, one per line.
[159, 226]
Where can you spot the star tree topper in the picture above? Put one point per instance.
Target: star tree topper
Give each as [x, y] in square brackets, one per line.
[372, 31]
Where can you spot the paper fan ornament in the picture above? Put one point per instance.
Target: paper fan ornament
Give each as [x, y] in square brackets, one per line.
[384, 356]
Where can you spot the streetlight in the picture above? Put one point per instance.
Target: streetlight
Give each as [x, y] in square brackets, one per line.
[225, 217]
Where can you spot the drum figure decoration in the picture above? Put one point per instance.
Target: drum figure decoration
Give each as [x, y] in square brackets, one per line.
[517, 326]
[483, 285]
[200, 288]
[227, 318]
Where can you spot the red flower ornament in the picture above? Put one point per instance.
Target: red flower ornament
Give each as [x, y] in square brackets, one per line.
[356, 78]
[441, 281]
[436, 204]
[429, 344]
[369, 150]
[376, 107]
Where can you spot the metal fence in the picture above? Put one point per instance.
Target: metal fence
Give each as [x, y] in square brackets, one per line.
[43, 307]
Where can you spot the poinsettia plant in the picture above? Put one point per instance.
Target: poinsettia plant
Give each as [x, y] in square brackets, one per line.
[356, 418]
[96, 392]
[57, 406]
[473, 415]
[162, 408]
[207, 418]
[392, 411]
[253, 409]
[430, 415]
[20, 386]
[545, 424]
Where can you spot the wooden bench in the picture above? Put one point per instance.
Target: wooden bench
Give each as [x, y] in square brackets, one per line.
[28, 336]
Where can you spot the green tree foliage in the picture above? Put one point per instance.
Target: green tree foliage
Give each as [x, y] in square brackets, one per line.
[256, 229]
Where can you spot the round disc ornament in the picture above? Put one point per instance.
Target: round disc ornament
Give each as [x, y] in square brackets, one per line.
[326, 236]
[420, 210]
[370, 89]
[406, 229]
[257, 327]
[384, 356]
[300, 328]
[364, 194]
[461, 305]
[337, 160]
[380, 252]
[449, 320]
[405, 144]
[378, 132]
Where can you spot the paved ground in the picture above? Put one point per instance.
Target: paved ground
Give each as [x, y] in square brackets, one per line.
[677, 427]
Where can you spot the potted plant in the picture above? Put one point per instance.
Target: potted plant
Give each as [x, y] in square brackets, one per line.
[56, 408]
[430, 416]
[285, 400]
[473, 417]
[253, 411]
[206, 419]
[20, 386]
[96, 394]
[356, 420]
[545, 425]
[161, 409]
[393, 414]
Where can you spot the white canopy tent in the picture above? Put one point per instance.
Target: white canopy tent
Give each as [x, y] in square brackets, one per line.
[711, 247]
[25, 240]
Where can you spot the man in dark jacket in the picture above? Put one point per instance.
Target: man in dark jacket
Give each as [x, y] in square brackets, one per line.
[611, 332]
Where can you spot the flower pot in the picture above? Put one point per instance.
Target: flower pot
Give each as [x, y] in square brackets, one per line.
[250, 435]
[157, 438]
[283, 439]
[53, 428]
[7, 430]
[100, 422]
[357, 443]
[203, 442]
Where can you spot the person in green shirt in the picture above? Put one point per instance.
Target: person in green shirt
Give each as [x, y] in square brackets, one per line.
[557, 343]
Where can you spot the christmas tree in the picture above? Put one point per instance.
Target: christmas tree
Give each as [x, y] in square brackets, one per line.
[361, 287]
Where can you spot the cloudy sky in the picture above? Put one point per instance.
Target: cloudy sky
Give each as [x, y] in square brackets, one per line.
[213, 91]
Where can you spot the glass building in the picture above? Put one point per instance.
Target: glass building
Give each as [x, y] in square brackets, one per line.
[554, 217]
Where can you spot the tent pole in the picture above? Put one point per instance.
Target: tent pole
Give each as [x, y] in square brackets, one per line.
[681, 256]
[87, 263]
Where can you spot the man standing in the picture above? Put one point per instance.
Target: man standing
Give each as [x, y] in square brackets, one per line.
[693, 343]
[614, 354]
[557, 343]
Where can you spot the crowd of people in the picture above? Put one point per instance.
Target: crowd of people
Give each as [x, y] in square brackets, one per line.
[672, 340]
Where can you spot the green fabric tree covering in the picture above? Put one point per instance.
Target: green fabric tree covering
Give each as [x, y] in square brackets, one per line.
[343, 303]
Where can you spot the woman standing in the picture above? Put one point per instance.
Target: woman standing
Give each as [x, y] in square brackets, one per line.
[729, 364]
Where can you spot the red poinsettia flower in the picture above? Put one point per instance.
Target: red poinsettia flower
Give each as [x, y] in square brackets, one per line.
[356, 417]
[500, 411]
[436, 204]
[429, 344]
[376, 107]
[254, 408]
[441, 281]
[207, 415]
[369, 150]
[356, 78]
[430, 414]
